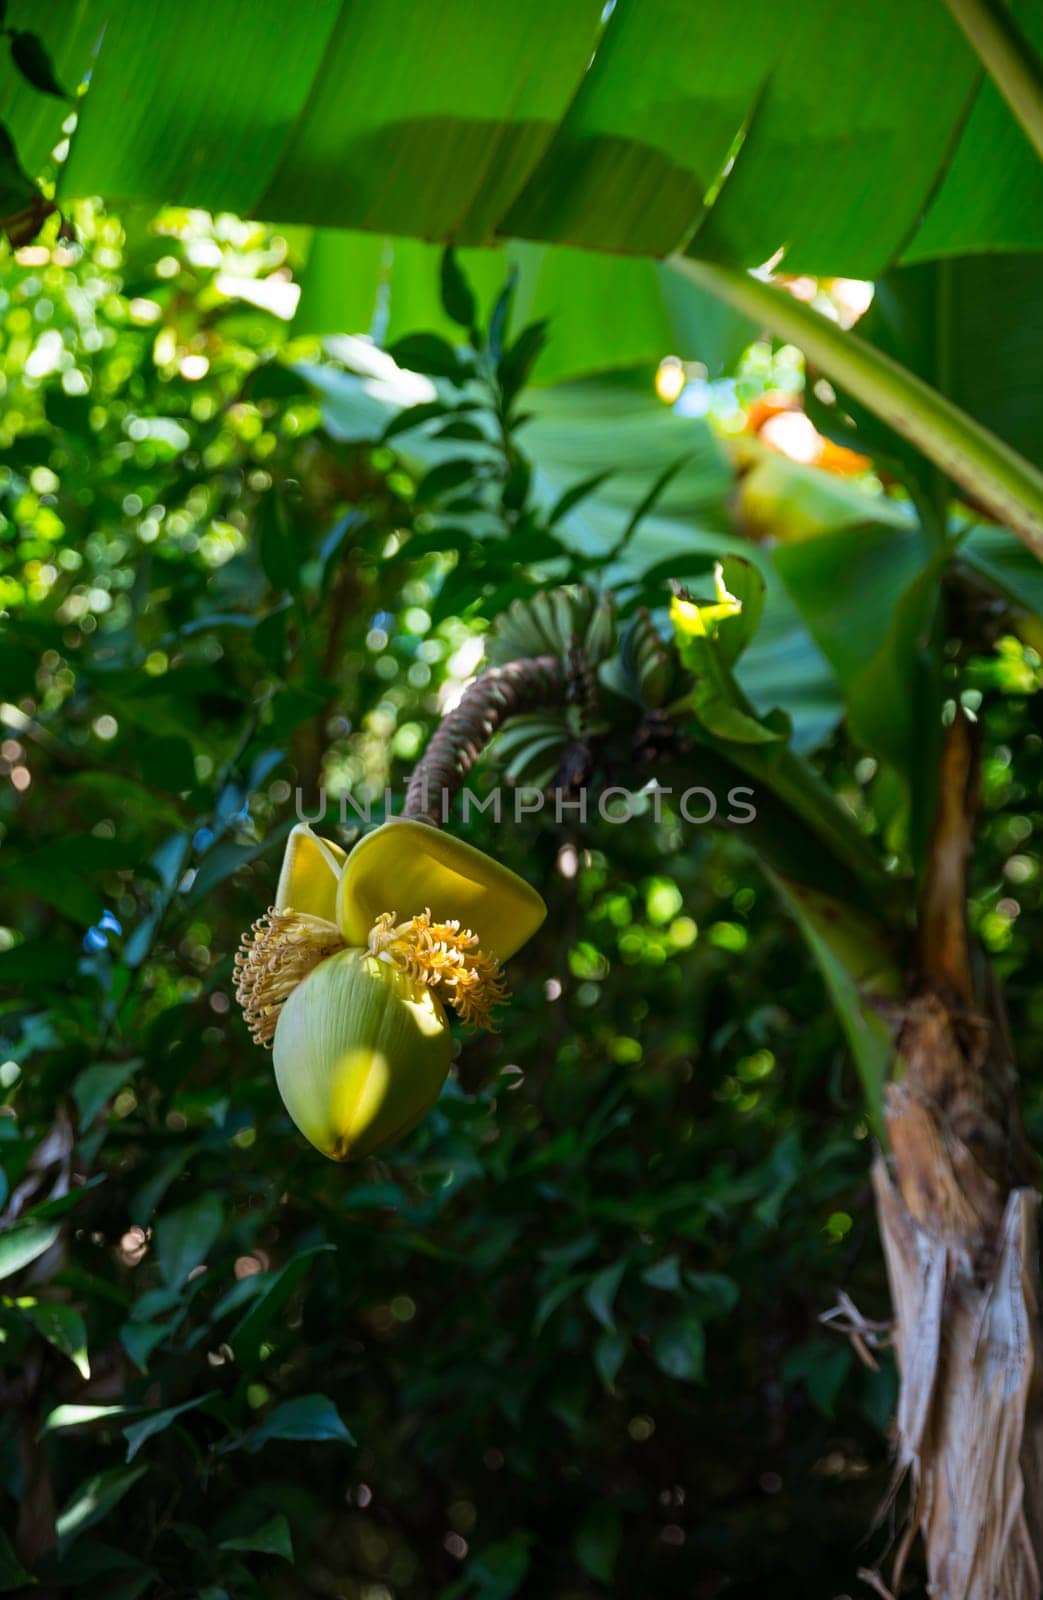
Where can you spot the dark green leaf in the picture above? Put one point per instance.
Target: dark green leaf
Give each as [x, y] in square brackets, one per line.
[32, 60]
[574, 496]
[596, 1542]
[680, 1347]
[647, 503]
[140, 1432]
[93, 1501]
[600, 1292]
[516, 489]
[514, 367]
[609, 1355]
[271, 1539]
[498, 1571]
[457, 295]
[461, 428]
[72, 1416]
[63, 1327]
[443, 479]
[184, 1238]
[21, 1244]
[311, 1416]
[499, 321]
[871, 597]
[279, 548]
[57, 1205]
[139, 1339]
[429, 353]
[968, 326]
[1007, 564]
[95, 1086]
[247, 1336]
[715, 1293]
[823, 1368]
[415, 416]
[666, 1274]
[554, 1297]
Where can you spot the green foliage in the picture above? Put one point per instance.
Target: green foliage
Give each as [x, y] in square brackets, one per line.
[565, 1338]
[616, 131]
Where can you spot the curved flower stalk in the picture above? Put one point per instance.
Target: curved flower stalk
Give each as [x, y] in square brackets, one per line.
[348, 976]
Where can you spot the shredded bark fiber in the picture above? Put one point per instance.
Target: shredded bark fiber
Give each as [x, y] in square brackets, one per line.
[968, 1346]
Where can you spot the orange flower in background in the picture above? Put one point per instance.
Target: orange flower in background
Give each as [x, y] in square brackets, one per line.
[780, 422]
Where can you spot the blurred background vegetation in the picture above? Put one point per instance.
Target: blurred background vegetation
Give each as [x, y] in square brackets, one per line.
[566, 1340]
[263, 494]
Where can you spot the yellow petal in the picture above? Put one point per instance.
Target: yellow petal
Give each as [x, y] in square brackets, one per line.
[408, 867]
[310, 872]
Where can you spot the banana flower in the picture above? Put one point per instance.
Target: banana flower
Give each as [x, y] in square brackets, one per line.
[348, 975]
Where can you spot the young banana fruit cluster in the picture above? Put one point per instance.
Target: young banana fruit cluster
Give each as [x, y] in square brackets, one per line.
[649, 667]
[555, 622]
[572, 624]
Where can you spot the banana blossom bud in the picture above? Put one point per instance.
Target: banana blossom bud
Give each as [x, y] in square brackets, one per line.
[348, 975]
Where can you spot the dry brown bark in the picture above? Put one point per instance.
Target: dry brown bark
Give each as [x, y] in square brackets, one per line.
[969, 1426]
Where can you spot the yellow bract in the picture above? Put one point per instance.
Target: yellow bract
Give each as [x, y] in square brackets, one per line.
[311, 869]
[414, 867]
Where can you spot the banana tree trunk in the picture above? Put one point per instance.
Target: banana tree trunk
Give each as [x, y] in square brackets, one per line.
[957, 1211]
[965, 1294]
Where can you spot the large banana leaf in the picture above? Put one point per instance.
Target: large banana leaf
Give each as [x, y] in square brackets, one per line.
[815, 135]
[825, 132]
[785, 117]
[993, 177]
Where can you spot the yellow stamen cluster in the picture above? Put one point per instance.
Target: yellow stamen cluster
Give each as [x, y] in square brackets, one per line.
[446, 957]
[275, 956]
